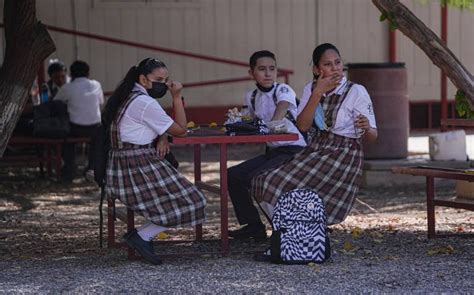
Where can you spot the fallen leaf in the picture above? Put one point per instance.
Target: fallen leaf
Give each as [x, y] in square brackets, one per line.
[314, 266]
[376, 235]
[460, 229]
[441, 250]
[356, 232]
[162, 235]
[391, 228]
[391, 257]
[348, 246]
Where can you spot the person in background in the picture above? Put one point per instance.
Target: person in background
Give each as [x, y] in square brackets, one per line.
[269, 101]
[57, 77]
[84, 98]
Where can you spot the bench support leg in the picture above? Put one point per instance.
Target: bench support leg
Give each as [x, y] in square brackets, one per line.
[130, 226]
[430, 206]
[110, 223]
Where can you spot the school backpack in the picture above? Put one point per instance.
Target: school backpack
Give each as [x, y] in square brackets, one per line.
[299, 229]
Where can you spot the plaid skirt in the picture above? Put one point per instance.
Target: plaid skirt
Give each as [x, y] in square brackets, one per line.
[331, 166]
[153, 188]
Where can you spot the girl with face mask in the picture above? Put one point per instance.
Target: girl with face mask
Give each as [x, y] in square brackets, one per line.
[341, 115]
[137, 173]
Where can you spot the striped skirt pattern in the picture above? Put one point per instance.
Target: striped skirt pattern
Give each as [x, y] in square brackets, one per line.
[153, 188]
[331, 166]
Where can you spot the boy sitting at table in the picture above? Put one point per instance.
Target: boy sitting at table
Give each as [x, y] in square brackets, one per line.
[270, 101]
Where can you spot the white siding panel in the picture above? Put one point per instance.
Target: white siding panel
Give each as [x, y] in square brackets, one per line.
[128, 31]
[97, 50]
[81, 13]
[235, 29]
[113, 57]
[303, 34]
[267, 21]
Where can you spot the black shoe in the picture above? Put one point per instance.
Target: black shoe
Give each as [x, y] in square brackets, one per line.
[143, 247]
[263, 256]
[255, 231]
[149, 245]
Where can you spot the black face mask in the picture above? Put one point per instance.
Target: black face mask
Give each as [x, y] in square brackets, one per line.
[264, 89]
[157, 90]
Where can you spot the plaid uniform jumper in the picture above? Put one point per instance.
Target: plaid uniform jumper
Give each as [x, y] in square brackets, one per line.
[331, 165]
[148, 185]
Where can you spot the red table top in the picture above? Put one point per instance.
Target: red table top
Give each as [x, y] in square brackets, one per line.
[217, 135]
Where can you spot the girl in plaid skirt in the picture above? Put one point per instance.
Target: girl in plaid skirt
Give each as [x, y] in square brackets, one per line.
[137, 172]
[340, 116]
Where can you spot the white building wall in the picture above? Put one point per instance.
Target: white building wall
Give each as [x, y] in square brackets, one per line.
[234, 29]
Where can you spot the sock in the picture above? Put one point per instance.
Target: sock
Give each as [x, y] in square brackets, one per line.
[149, 230]
[267, 209]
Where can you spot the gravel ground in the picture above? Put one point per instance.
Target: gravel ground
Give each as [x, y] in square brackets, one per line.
[48, 244]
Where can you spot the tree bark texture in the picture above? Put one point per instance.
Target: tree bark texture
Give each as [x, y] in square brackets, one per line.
[430, 43]
[28, 43]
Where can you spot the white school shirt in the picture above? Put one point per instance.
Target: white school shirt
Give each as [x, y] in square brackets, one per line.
[83, 97]
[265, 109]
[357, 101]
[144, 119]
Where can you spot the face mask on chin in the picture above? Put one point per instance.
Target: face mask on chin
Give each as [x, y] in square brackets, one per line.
[157, 90]
[264, 89]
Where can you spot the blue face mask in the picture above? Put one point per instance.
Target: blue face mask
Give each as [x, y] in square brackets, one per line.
[319, 118]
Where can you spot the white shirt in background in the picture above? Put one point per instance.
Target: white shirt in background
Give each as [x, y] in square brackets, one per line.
[144, 119]
[83, 98]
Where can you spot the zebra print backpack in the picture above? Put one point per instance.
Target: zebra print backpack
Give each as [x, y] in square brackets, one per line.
[299, 229]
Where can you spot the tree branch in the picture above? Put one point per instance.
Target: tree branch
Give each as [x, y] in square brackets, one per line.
[429, 42]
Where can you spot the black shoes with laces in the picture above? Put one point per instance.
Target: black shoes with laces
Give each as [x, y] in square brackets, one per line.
[255, 231]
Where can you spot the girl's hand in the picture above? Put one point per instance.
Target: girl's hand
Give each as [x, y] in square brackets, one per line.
[163, 146]
[325, 84]
[362, 122]
[175, 88]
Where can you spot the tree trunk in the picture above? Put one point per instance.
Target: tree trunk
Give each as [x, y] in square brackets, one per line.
[27, 45]
[429, 42]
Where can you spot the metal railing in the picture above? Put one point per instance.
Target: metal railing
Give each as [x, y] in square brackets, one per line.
[285, 73]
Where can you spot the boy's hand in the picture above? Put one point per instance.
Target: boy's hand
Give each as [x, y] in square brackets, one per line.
[175, 88]
[325, 84]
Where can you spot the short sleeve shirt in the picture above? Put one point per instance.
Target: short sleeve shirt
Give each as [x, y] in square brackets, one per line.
[357, 102]
[265, 109]
[83, 97]
[144, 119]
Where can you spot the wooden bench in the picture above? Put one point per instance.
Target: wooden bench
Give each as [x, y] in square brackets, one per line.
[48, 151]
[438, 172]
[431, 173]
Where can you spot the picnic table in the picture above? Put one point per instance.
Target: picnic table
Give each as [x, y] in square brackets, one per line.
[196, 138]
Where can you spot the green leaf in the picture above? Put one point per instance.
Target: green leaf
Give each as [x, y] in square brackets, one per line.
[463, 108]
[383, 16]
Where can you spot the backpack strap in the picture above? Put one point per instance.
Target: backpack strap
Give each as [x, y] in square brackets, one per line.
[288, 114]
[252, 99]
